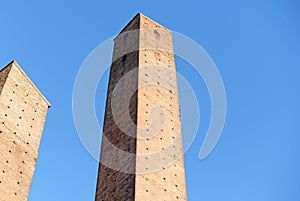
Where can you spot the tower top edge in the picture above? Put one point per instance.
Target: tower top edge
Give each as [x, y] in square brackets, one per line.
[15, 64]
[137, 19]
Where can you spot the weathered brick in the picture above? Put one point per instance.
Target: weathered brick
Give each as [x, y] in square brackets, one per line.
[156, 170]
[23, 113]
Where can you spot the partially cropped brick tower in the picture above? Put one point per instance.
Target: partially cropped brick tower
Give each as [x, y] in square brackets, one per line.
[141, 153]
[23, 113]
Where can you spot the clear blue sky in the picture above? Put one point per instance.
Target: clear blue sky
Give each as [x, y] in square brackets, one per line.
[256, 47]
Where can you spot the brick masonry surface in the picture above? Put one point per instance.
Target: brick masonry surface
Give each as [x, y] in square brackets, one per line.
[156, 171]
[23, 113]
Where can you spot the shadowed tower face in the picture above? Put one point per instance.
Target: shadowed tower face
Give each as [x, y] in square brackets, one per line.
[23, 113]
[141, 152]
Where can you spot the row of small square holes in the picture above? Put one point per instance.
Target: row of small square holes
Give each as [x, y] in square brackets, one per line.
[20, 117]
[147, 148]
[171, 98]
[16, 133]
[161, 114]
[171, 112]
[157, 63]
[161, 130]
[164, 178]
[18, 124]
[3, 171]
[158, 54]
[146, 75]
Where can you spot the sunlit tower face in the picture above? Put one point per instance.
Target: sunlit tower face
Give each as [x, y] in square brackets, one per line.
[141, 152]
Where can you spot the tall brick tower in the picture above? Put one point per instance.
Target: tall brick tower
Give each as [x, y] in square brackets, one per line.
[141, 152]
[23, 113]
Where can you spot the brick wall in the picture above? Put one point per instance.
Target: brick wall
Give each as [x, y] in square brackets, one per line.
[158, 113]
[157, 168]
[23, 112]
[112, 184]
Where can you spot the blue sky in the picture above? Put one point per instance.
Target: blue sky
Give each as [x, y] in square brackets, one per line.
[256, 47]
